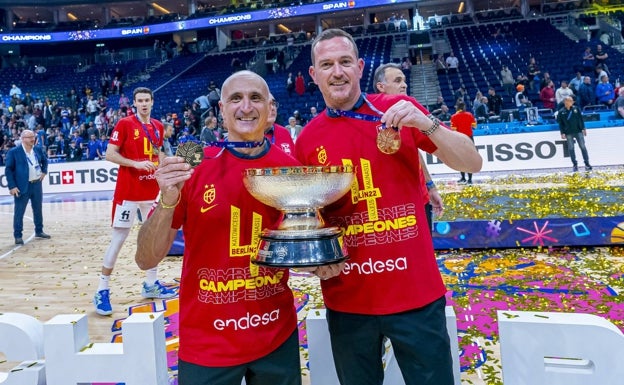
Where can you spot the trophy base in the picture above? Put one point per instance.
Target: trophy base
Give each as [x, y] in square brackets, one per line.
[300, 248]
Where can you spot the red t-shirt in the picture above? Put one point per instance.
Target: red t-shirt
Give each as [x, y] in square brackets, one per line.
[131, 136]
[463, 121]
[391, 266]
[230, 314]
[280, 137]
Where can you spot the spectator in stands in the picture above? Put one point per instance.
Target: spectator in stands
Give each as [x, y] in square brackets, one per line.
[572, 128]
[462, 94]
[211, 353]
[103, 146]
[495, 102]
[74, 153]
[93, 145]
[313, 113]
[548, 97]
[588, 61]
[562, 92]
[203, 103]
[605, 92]
[293, 128]
[134, 146]
[619, 104]
[435, 107]
[300, 84]
[290, 84]
[507, 81]
[600, 72]
[105, 83]
[586, 94]
[478, 100]
[406, 64]
[545, 79]
[214, 95]
[440, 65]
[601, 58]
[521, 99]
[533, 73]
[168, 134]
[15, 91]
[444, 114]
[482, 113]
[207, 133]
[124, 102]
[575, 83]
[452, 63]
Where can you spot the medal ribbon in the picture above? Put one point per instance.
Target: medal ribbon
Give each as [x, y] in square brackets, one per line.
[146, 131]
[334, 113]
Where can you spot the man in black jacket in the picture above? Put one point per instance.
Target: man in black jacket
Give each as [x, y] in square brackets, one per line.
[572, 128]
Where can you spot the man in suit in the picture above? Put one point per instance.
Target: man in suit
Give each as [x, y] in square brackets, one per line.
[293, 128]
[26, 166]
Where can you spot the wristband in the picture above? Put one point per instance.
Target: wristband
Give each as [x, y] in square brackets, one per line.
[434, 126]
[166, 206]
[430, 185]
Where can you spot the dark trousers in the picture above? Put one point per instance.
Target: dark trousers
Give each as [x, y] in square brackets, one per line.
[419, 338]
[280, 367]
[35, 196]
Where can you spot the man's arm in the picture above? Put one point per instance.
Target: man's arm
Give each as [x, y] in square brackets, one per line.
[456, 150]
[156, 235]
[113, 155]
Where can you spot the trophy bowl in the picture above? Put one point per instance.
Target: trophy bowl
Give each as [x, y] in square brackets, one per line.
[301, 238]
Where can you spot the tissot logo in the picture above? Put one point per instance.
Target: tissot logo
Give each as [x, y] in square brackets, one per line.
[67, 177]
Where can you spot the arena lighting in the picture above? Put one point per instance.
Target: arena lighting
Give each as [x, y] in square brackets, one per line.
[71, 16]
[284, 28]
[461, 7]
[160, 8]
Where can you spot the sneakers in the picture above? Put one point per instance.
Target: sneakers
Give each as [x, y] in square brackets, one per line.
[575, 168]
[157, 290]
[101, 300]
[469, 181]
[588, 168]
[461, 181]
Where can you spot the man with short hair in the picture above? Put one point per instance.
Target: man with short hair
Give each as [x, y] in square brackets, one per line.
[221, 220]
[389, 79]
[572, 128]
[26, 167]
[410, 308]
[135, 145]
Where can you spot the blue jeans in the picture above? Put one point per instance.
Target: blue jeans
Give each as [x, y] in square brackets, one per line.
[35, 196]
[580, 139]
[419, 339]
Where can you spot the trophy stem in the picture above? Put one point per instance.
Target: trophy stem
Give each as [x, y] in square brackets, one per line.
[301, 219]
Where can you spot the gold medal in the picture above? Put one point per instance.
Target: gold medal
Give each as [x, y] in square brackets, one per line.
[388, 139]
[193, 153]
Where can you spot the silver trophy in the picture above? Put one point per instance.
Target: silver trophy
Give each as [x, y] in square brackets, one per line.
[301, 238]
